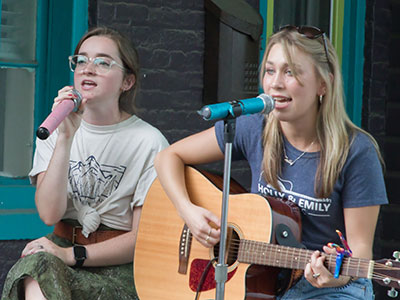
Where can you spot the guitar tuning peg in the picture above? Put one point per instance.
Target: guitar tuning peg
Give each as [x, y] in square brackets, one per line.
[396, 255]
[392, 293]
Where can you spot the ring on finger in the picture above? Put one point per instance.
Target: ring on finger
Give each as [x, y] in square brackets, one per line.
[316, 275]
[207, 238]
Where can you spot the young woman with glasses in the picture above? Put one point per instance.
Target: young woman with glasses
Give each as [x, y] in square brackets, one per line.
[307, 151]
[91, 175]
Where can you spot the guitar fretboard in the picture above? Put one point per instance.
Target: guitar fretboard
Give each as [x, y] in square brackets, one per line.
[260, 253]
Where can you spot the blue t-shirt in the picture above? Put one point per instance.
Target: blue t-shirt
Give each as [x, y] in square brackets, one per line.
[360, 182]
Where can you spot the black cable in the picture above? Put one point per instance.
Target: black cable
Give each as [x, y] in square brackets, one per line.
[203, 278]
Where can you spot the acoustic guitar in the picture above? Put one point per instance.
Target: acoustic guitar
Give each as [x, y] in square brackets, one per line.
[170, 264]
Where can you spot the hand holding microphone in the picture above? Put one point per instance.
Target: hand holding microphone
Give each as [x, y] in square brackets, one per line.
[60, 112]
[232, 109]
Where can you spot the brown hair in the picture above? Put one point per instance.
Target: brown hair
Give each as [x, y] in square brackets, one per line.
[130, 60]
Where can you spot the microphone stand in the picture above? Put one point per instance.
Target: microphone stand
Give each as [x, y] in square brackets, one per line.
[221, 270]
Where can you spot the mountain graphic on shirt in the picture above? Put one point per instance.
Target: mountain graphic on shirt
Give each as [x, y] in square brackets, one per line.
[92, 182]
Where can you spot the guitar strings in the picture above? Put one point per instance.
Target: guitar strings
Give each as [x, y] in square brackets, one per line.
[260, 250]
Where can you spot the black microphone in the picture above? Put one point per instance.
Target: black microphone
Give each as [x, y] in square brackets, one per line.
[60, 112]
[232, 109]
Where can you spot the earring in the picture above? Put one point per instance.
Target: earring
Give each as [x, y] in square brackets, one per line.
[320, 98]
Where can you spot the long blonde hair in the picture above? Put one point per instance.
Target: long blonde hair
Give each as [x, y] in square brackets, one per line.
[335, 131]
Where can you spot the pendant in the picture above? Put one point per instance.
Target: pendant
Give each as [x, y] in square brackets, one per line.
[289, 161]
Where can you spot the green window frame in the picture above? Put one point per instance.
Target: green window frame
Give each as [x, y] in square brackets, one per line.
[347, 36]
[59, 26]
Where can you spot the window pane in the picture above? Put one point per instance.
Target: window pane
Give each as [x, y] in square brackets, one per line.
[18, 30]
[302, 12]
[16, 121]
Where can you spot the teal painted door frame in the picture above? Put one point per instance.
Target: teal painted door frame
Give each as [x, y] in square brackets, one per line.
[60, 24]
[353, 57]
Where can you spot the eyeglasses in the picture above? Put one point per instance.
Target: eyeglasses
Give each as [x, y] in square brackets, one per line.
[101, 64]
[311, 32]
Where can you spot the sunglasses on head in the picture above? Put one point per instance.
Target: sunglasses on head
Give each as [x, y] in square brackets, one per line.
[310, 32]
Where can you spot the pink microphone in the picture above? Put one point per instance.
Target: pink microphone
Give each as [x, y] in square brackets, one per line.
[61, 111]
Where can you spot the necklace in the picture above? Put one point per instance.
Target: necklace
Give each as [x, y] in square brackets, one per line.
[292, 162]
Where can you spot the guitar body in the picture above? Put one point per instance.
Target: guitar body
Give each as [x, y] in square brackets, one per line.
[168, 263]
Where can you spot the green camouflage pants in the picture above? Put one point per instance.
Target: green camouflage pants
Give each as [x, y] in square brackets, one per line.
[59, 281]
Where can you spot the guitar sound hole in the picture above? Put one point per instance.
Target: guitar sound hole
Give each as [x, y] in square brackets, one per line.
[232, 246]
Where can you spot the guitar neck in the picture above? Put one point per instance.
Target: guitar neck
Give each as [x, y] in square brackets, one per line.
[261, 253]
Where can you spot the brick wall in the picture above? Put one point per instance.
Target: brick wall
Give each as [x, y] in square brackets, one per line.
[381, 109]
[169, 36]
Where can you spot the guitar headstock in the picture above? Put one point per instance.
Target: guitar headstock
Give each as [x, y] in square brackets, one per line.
[387, 273]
